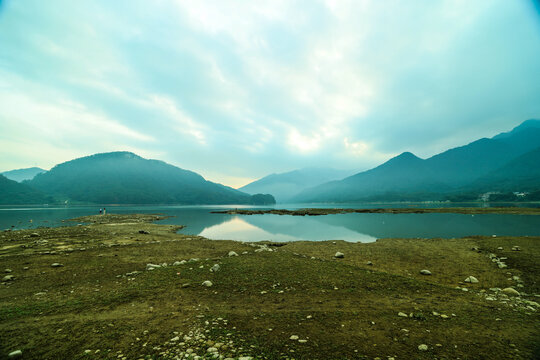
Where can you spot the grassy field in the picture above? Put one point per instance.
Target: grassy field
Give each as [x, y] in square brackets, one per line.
[272, 301]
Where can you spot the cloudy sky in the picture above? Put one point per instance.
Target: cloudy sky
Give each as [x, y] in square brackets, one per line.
[235, 90]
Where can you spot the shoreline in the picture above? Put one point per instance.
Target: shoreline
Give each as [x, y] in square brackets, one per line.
[330, 211]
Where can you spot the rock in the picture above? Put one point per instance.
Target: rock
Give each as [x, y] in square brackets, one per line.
[34, 234]
[302, 341]
[8, 270]
[369, 263]
[471, 279]
[143, 232]
[15, 354]
[152, 266]
[339, 255]
[501, 265]
[207, 283]
[87, 351]
[176, 263]
[500, 248]
[425, 272]
[175, 339]
[245, 358]
[511, 291]
[56, 265]
[402, 314]
[294, 337]
[422, 347]
[215, 268]
[232, 253]
[8, 278]
[516, 248]
[212, 350]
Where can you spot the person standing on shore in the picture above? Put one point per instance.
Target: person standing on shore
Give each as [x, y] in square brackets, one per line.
[104, 211]
[100, 211]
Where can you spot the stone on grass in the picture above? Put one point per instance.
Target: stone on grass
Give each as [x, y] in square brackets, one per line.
[422, 347]
[152, 266]
[294, 337]
[511, 291]
[471, 279]
[8, 270]
[402, 314]
[233, 253]
[215, 268]
[425, 272]
[8, 278]
[56, 265]
[15, 354]
[176, 263]
[207, 283]
[339, 255]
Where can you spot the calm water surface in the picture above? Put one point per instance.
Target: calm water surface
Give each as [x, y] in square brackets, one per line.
[349, 227]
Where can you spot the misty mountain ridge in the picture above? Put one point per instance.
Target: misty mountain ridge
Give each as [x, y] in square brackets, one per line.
[20, 175]
[286, 185]
[126, 178]
[14, 193]
[407, 177]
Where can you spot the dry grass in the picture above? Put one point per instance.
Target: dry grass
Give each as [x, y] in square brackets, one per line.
[90, 303]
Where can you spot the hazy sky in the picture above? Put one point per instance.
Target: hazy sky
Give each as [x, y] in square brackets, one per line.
[235, 90]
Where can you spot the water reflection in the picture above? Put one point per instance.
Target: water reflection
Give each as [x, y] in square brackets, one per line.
[285, 228]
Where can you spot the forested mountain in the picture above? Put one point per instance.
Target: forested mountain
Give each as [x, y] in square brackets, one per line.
[286, 185]
[462, 169]
[23, 174]
[125, 178]
[522, 173]
[13, 193]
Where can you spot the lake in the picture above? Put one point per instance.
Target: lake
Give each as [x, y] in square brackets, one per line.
[349, 227]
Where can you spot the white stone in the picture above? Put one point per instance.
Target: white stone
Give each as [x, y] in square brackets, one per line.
[425, 272]
[294, 337]
[471, 279]
[15, 354]
[233, 253]
[207, 283]
[339, 255]
[176, 263]
[402, 314]
[215, 268]
[511, 291]
[56, 265]
[8, 278]
[422, 347]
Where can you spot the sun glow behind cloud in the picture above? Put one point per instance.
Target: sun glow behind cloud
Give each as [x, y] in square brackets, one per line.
[242, 90]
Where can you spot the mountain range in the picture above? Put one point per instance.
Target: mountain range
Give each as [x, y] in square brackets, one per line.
[23, 174]
[506, 162]
[285, 186]
[126, 178]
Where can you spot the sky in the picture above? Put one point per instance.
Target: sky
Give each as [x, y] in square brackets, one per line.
[236, 90]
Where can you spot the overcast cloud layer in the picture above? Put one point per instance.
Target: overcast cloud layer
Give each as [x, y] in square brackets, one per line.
[235, 90]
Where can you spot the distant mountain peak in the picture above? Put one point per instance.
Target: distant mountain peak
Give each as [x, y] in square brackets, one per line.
[404, 157]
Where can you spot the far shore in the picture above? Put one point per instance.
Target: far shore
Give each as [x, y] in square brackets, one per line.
[329, 211]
